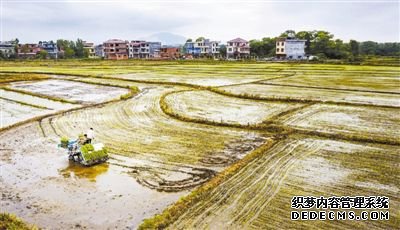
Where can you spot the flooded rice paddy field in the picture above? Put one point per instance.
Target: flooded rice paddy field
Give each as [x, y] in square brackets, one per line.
[268, 92]
[264, 132]
[258, 196]
[74, 91]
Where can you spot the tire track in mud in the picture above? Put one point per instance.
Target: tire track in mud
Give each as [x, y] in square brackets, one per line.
[138, 128]
[239, 200]
[208, 107]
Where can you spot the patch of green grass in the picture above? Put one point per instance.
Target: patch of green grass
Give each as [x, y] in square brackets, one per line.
[11, 222]
[8, 77]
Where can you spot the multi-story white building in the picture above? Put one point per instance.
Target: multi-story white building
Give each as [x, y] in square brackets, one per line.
[143, 49]
[7, 48]
[203, 47]
[134, 48]
[214, 48]
[238, 48]
[99, 51]
[290, 48]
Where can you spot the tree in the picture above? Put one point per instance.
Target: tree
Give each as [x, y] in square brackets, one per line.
[79, 50]
[222, 50]
[189, 40]
[69, 53]
[354, 48]
[369, 47]
[322, 42]
[86, 53]
[308, 36]
[256, 48]
[200, 39]
[287, 33]
[42, 54]
[340, 50]
[263, 48]
[16, 43]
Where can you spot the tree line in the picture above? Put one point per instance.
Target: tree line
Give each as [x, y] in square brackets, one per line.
[70, 49]
[322, 44]
[318, 43]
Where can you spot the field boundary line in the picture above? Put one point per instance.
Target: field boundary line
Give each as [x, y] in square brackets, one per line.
[39, 95]
[327, 88]
[25, 103]
[172, 213]
[169, 111]
[273, 127]
[224, 92]
[61, 112]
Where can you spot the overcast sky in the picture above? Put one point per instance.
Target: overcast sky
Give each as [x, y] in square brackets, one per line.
[91, 20]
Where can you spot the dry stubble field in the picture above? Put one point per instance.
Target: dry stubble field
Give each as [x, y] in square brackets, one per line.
[196, 144]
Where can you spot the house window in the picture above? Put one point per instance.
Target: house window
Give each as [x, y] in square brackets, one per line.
[282, 50]
[230, 49]
[277, 49]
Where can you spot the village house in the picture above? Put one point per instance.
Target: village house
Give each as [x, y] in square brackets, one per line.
[143, 49]
[238, 48]
[99, 50]
[215, 47]
[7, 48]
[28, 50]
[290, 48]
[170, 52]
[191, 49]
[115, 49]
[134, 48]
[202, 48]
[150, 50]
[50, 47]
[89, 48]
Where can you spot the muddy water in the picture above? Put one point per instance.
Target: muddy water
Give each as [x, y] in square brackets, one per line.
[39, 184]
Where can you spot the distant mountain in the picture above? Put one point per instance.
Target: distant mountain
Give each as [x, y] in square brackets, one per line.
[166, 38]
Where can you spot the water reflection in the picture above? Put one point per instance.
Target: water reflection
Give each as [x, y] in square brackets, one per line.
[76, 170]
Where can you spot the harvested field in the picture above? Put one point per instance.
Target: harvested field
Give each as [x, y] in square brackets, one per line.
[74, 91]
[358, 80]
[375, 123]
[259, 195]
[163, 147]
[203, 105]
[197, 144]
[194, 79]
[319, 95]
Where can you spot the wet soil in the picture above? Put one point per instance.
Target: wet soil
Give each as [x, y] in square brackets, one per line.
[39, 184]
